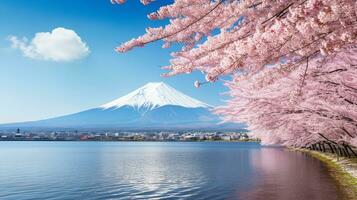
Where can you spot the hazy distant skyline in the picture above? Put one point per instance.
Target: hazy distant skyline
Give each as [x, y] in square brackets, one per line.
[39, 80]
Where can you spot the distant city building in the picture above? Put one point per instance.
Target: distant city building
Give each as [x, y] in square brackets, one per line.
[125, 136]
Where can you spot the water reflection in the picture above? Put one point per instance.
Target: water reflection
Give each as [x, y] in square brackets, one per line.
[284, 174]
[126, 170]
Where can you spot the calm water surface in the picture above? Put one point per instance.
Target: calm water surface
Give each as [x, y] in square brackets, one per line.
[160, 170]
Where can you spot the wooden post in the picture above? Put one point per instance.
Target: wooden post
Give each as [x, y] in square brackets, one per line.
[346, 150]
[334, 148]
[343, 153]
[339, 150]
[337, 155]
[323, 147]
[353, 152]
[318, 146]
[332, 151]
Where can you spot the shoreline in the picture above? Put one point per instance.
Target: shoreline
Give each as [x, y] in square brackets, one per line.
[173, 141]
[342, 169]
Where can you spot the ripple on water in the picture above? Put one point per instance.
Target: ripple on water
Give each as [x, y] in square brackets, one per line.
[79, 170]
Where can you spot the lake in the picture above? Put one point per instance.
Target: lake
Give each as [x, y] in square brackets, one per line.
[160, 170]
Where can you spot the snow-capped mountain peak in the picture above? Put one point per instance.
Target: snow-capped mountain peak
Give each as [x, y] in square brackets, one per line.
[154, 95]
[155, 106]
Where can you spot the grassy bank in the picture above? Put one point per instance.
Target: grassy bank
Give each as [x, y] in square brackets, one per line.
[342, 169]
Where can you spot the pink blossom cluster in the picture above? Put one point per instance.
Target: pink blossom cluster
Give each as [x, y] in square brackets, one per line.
[299, 106]
[265, 45]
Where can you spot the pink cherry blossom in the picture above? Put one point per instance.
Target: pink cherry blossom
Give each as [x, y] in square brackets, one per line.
[292, 62]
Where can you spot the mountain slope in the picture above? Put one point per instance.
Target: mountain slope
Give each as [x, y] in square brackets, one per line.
[153, 95]
[153, 106]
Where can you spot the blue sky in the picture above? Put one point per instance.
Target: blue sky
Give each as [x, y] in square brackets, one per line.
[35, 88]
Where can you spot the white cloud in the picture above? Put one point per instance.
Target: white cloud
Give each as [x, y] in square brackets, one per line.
[59, 45]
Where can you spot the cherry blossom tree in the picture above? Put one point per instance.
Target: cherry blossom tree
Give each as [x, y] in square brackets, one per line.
[251, 33]
[314, 102]
[292, 62]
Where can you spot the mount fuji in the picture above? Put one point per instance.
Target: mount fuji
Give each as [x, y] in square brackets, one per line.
[153, 106]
